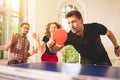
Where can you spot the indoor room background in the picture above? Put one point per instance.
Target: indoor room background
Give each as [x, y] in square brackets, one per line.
[40, 12]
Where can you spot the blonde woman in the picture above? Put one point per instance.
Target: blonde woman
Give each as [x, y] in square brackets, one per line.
[47, 55]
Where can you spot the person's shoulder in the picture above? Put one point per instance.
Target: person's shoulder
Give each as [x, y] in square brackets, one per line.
[45, 39]
[93, 24]
[44, 36]
[96, 23]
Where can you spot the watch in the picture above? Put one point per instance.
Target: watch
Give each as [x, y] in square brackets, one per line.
[117, 47]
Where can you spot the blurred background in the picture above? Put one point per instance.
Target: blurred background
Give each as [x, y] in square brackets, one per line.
[40, 12]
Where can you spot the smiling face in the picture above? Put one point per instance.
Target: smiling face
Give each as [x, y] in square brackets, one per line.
[53, 27]
[24, 28]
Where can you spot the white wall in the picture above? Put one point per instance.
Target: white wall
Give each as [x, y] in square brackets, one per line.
[40, 12]
[106, 12]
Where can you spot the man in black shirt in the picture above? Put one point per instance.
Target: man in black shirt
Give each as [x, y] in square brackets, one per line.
[86, 40]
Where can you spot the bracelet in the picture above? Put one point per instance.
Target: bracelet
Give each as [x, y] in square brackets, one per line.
[117, 47]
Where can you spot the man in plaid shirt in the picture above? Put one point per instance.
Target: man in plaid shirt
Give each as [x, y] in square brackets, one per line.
[18, 46]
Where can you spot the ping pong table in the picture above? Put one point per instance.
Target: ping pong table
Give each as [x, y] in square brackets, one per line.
[68, 71]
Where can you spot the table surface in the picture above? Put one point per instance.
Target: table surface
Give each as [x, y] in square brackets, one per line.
[74, 69]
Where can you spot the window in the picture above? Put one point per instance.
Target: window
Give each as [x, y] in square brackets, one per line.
[15, 5]
[11, 15]
[62, 19]
[1, 29]
[1, 2]
[14, 25]
[69, 53]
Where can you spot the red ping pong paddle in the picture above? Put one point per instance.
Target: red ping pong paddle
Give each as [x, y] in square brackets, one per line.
[60, 36]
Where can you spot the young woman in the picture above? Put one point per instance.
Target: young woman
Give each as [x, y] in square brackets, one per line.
[47, 55]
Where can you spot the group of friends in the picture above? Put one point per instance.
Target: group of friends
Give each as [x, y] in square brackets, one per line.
[85, 38]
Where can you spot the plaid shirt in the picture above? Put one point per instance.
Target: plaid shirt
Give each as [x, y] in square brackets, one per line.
[19, 50]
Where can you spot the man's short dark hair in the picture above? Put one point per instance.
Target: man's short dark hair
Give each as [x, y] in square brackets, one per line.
[25, 24]
[74, 12]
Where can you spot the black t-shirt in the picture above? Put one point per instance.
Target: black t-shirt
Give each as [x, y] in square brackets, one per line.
[89, 46]
[46, 39]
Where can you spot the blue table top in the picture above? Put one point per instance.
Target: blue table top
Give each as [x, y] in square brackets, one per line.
[74, 69]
